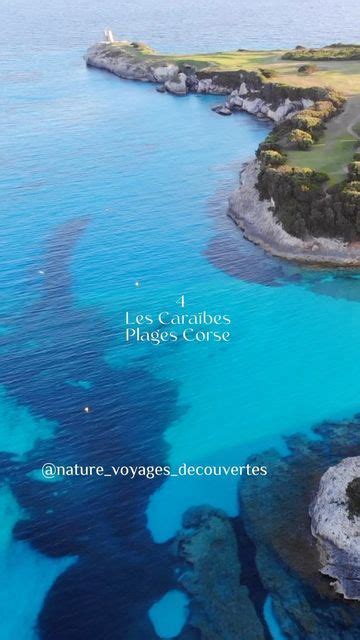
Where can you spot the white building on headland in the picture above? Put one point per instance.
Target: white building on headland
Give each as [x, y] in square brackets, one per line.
[109, 36]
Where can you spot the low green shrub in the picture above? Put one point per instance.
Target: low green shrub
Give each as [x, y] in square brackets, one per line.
[307, 69]
[301, 139]
[331, 52]
[354, 171]
[267, 73]
[307, 121]
[354, 185]
[273, 158]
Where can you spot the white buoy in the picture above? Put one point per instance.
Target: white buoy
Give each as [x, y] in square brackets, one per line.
[137, 283]
[87, 409]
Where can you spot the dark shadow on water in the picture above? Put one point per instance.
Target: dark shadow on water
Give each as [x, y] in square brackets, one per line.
[231, 253]
[240, 259]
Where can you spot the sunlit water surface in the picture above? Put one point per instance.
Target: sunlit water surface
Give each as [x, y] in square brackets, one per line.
[105, 183]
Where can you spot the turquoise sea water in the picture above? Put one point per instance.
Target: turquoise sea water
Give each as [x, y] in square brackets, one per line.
[106, 183]
[169, 613]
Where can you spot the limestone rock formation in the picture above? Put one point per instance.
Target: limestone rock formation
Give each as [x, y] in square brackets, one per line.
[164, 73]
[275, 513]
[222, 109]
[336, 527]
[123, 61]
[127, 66]
[235, 101]
[252, 104]
[243, 90]
[177, 85]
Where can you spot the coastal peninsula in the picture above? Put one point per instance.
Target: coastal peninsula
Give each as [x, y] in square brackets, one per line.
[300, 197]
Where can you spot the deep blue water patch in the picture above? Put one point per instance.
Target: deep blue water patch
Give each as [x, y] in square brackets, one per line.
[100, 520]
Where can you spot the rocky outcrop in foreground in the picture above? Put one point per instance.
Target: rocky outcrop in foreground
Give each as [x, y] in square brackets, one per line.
[221, 608]
[335, 523]
[276, 518]
[223, 564]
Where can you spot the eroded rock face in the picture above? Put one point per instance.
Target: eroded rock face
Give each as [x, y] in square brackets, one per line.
[337, 528]
[243, 88]
[258, 107]
[235, 101]
[252, 105]
[208, 85]
[128, 66]
[276, 517]
[221, 608]
[164, 73]
[177, 85]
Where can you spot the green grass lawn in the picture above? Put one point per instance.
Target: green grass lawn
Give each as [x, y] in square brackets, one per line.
[336, 148]
[331, 156]
[342, 75]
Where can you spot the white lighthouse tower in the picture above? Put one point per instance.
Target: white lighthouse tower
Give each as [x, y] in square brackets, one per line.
[109, 36]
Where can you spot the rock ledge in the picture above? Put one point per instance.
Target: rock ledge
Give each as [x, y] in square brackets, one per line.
[257, 220]
[336, 530]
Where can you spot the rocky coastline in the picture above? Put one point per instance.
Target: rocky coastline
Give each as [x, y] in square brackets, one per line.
[288, 561]
[243, 90]
[275, 549]
[256, 219]
[336, 527]
[255, 214]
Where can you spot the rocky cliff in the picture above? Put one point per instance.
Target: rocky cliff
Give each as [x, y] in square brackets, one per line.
[246, 90]
[127, 65]
[276, 518]
[335, 523]
[300, 198]
[255, 216]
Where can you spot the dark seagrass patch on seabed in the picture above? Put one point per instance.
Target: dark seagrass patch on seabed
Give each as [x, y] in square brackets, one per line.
[102, 522]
